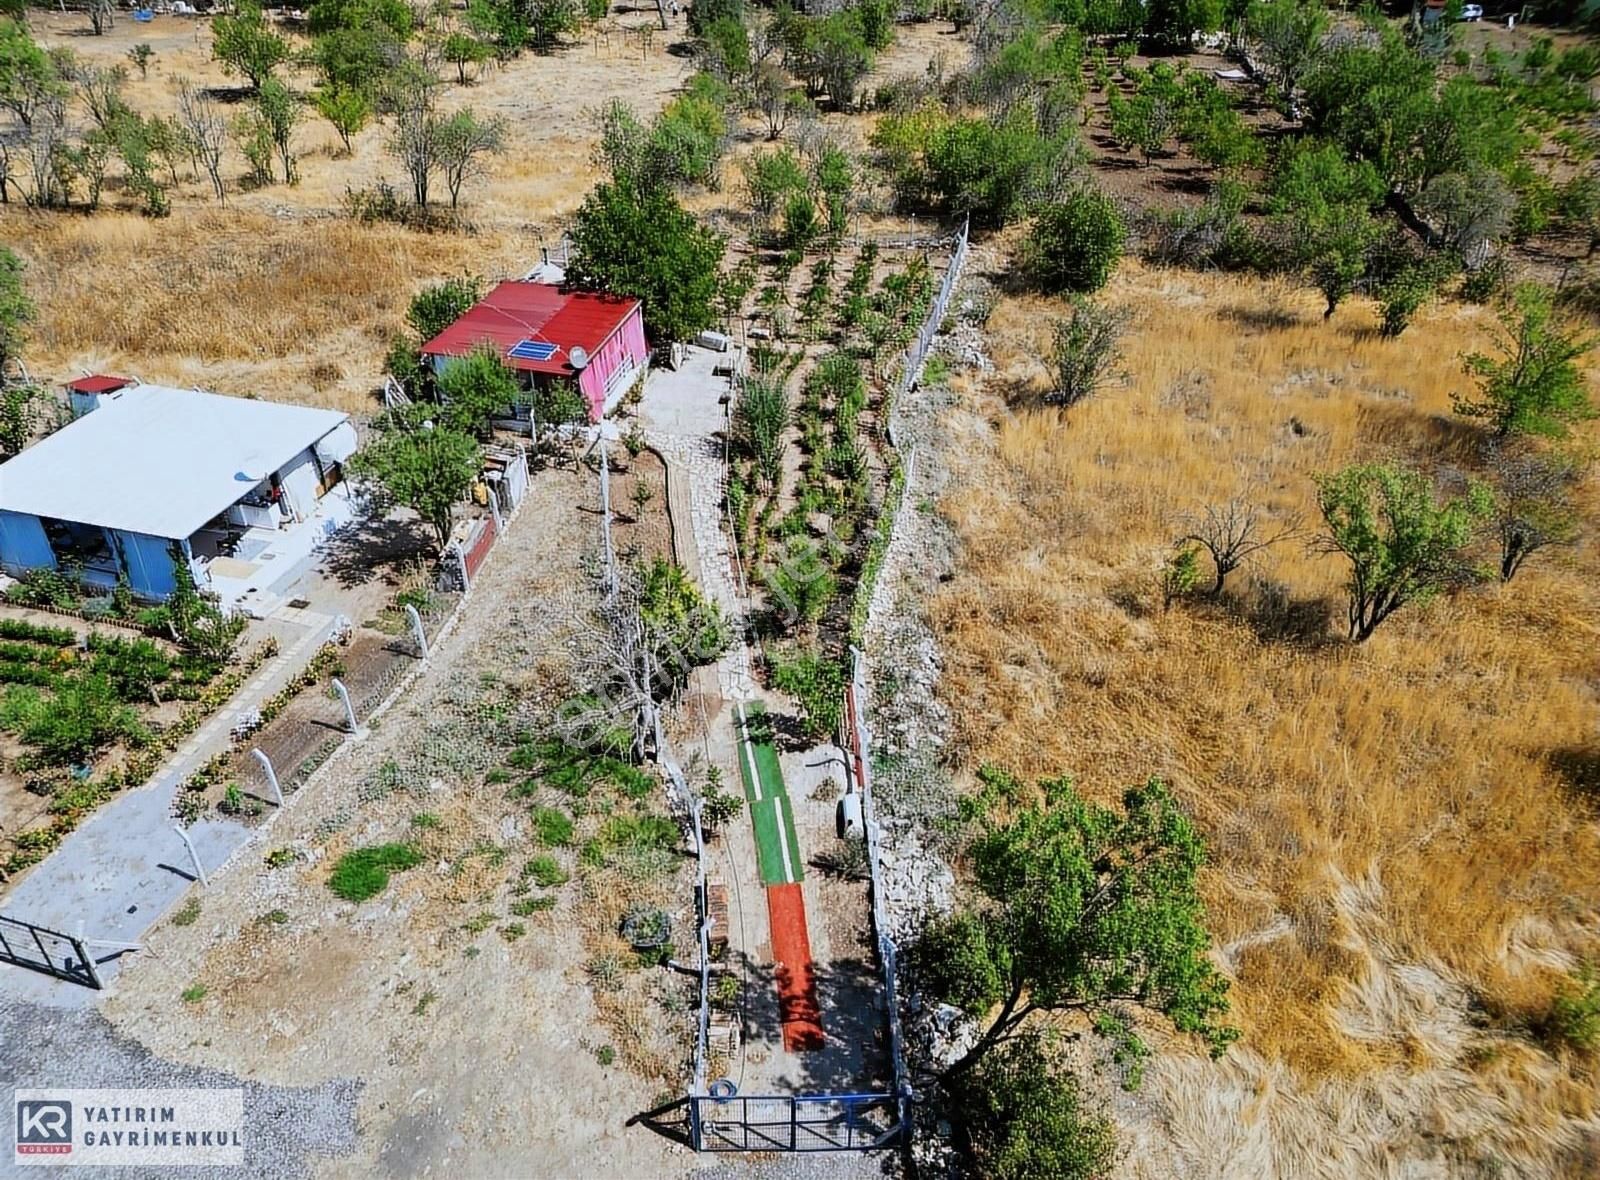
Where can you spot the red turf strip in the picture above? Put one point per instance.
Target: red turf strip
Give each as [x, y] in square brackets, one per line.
[797, 986]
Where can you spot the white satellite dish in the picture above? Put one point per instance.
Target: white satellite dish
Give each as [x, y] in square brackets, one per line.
[578, 356]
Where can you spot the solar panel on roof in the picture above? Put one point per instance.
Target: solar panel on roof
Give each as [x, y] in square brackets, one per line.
[532, 350]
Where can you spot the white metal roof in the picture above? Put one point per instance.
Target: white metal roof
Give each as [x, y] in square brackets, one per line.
[157, 460]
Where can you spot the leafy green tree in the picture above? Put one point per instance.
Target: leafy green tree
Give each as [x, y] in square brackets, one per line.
[1536, 386]
[991, 170]
[347, 109]
[1288, 36]
[503, 23]
[684, 629]
[1402, 546]
[465, 141]
[359, 59]
[1324, 203]
[245, 45]
[279, 112]
[17, 309]
[428, 468]
[30, 79]
[550, 20]
[462, 50]
[1175, 22]
[771, 178]
[197, 621]
[328, 16]
[1080, 908]
[644, 244]
[1024, 1118]
[705, 13]
[437, 306]
[20, 406]
[1076, 243]
[141, 55]
[475, 388]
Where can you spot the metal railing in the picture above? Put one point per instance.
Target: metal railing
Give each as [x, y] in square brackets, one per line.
[38, 948]
[793, 1122]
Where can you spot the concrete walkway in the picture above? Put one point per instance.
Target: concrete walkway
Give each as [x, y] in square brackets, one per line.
[116, 875]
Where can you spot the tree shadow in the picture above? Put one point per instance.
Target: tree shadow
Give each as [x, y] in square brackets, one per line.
[364, 549]
[1276, 616]
[1579, 770]
[1261, 319]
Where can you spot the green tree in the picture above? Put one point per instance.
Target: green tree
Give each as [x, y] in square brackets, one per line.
[475, 388]
[1402, 546]
[465, 141]
[141, 55]
[462, 50]
[1022, 1114]
[429, 469]
[992, 170]
[550, 20]
[197, 621]
[279, 111]
[1075, 244]
[20, 406]
[1324, 203]
[438, 305]
[29, 77]
[644, 244]
[1080, 908]
[1536, 386]
[17, 309]
[245, 45]
[705, 13]
[358, 59]
[347, 109]
[328, 16]
[1287, 35]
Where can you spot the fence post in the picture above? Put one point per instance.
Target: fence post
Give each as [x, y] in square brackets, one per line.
[199, 869]
[417, 631]
[272, 775]
[344, 695]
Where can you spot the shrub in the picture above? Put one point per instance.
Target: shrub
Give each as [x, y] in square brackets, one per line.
[364, 872]
[83, 718]
[639, 833]
[1076, 244]
[546, 871]
[552, 826]
[1574, 1018]
[817, 683]
[760, 416]
[1087, 352]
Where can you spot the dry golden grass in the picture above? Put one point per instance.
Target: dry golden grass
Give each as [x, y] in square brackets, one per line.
[236, 301]
[1399, 807]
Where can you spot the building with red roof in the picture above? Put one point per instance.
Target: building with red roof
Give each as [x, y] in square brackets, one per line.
[548, 334]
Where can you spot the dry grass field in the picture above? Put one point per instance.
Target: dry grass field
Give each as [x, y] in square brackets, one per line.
[1404, 862]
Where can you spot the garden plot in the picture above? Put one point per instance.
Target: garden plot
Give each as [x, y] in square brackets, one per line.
[439, 891]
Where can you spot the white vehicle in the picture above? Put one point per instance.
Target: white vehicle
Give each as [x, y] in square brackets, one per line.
[1471, 12]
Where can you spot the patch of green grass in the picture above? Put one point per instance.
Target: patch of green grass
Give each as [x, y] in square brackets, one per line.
[424, 1002]
[426, 821]
[274, 918]
[545, 870]
[533, 905]
[552, 827]
[605, 1055]
[280, 858]
[364, 872]
[188, 913]
[194, 993]
[513, 931]
[593, 853]
[479, 924]
[639, 832]
[498, 775]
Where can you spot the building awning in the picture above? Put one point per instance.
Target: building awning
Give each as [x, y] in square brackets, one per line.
[159, 461]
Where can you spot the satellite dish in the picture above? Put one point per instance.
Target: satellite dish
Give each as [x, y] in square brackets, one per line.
[578, 356]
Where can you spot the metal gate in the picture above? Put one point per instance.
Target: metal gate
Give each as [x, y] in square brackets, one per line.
[803, 1122]
[39, 949]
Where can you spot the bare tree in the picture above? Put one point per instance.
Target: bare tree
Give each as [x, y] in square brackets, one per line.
[102, 16]
[415, 140]
[1232, 534]
[774, 97]
[1533, 502]
[206, 129]
[101, 90]
[46, 141]
[464, 141]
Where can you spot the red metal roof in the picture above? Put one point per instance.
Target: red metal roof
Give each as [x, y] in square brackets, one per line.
[516, 311]
[98, 383]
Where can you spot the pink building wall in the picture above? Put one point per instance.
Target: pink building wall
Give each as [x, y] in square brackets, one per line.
[624, 349]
